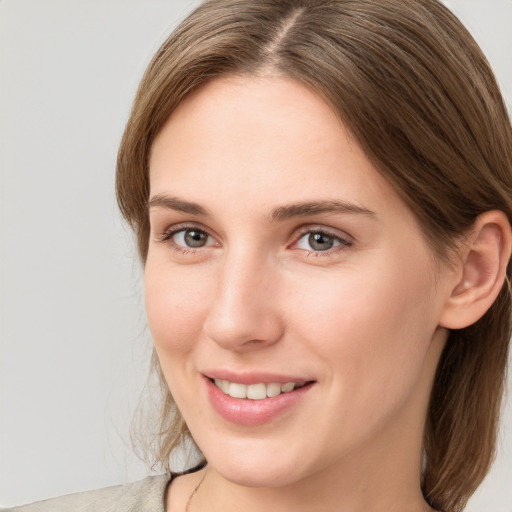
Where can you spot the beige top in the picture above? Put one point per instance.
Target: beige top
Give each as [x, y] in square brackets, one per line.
[147, 495]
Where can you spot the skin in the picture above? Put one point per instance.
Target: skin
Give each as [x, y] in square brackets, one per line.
[362, 320]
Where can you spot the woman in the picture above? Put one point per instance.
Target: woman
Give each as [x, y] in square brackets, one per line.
[321, 197]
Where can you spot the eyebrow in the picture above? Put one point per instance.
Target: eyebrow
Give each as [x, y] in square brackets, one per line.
[179, 205]
[315, 207]
[278, 214]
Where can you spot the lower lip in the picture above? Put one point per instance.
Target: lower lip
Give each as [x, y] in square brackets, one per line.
[244, 411]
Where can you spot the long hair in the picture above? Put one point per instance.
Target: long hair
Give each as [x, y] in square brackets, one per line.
[418, 95]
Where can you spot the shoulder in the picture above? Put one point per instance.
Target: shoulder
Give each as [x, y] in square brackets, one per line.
[147, 495]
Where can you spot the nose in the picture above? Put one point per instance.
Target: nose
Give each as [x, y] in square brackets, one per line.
[244, 313]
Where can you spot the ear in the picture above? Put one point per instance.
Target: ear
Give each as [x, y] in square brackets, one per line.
[481, 270]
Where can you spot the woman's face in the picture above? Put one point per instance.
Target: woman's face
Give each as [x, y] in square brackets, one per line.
[278, 255]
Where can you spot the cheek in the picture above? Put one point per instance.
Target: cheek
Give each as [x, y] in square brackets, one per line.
[176, 305]
[372, 327]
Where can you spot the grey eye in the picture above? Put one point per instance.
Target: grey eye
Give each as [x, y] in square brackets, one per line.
[191, 238]
[320, 241]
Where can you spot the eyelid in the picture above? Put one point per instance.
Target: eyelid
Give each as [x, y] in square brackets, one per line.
[167, 235]
[346, 241]
[181, 226]
[319, 228]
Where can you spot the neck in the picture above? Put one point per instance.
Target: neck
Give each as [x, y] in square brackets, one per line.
[358, 485]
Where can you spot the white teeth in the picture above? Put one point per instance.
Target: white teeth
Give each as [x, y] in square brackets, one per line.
[222, 384]
[287, 387]
[256, 391]
[273, 389]
[225, 386]
[237, 390]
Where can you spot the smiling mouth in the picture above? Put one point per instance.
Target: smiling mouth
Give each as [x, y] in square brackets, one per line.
[256, 391]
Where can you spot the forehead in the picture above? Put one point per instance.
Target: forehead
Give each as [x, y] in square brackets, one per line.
[268, 139]
[244, 104]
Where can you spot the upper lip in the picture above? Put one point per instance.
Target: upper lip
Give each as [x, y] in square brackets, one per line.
[254, 377]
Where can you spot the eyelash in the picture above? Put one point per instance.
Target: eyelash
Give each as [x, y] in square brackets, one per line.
[343, 243]
[167, 236]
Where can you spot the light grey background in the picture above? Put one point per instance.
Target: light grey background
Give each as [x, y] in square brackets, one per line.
[74, 347]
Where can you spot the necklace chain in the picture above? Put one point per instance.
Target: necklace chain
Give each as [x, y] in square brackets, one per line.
[187, 507]
[196, 488]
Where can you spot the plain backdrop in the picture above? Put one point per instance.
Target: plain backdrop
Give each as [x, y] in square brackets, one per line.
[74, 343]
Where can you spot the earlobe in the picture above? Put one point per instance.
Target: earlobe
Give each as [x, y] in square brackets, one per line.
[483, 263]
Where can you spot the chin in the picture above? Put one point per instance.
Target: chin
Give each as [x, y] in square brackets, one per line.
[256, 463]
[266, 476]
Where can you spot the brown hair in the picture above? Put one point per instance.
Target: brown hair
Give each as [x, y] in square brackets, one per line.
[419, 96]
